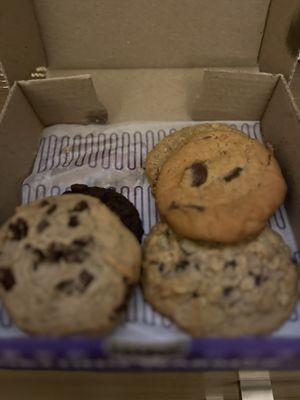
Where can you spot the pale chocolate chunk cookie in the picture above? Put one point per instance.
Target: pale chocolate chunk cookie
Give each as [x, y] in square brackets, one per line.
[221, 187]
[67, 265]
[220, 290]
[173, 142]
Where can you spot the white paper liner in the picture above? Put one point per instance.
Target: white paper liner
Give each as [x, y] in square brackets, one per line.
[114, 156]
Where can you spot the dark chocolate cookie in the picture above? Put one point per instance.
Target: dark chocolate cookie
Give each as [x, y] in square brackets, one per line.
[63, 269]
[117, 203]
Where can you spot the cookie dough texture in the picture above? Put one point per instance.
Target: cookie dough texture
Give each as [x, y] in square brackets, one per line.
[220, 187]
[67, 264]
[220, 290]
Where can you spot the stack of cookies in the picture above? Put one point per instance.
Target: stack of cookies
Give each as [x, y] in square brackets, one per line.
[213, 266]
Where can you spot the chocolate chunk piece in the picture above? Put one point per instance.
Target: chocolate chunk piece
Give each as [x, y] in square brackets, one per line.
[85, 279]
[81, 206]
[195, 295]
[70, 253]
[116, 202]
[195, 207]
[199, 173]
[73, 221]
[230, 264]
[7, 279]
[70, 286]
[19, 229]
[161, 267]
[51, 209]
[181, 265]
[66, 286]
[227, 291]
[42, 225]
[235, 173]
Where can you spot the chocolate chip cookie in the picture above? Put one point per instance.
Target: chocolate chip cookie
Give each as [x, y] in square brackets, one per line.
[220, 187]
[173, 142]
[117, 203]
[220, 290]
[67, 265]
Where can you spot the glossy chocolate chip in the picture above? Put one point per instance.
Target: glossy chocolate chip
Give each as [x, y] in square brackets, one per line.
[235, 173]
[73, 221]
[7, 279]
[19, 229]
[199, 174]
[42, 225]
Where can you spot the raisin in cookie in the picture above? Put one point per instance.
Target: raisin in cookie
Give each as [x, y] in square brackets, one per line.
[219, 290]
[221, 187]
[164, 149]
[117, 203]
[67, 264]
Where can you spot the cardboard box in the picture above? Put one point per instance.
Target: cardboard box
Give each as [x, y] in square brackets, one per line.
[150, 61]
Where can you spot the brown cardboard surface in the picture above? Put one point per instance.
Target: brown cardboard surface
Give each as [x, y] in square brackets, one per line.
[146, 94]
[276, 55]
[20, 132]
[233, 95]
[21, 49]
[65, 100]
[143, 33]
[281, 127]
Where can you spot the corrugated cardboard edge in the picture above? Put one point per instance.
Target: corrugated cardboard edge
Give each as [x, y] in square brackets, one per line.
[277, 52]
[65, 100]
[233, 95]
[4, 86]
[20, 131]
[281, 127]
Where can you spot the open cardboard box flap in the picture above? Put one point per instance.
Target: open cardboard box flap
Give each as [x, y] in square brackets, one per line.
[110, 34]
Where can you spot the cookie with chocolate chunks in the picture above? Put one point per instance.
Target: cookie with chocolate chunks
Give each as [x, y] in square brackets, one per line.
[220, 187]
[67, 265]
[117, 203]
[173, 142]
[219, 290]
